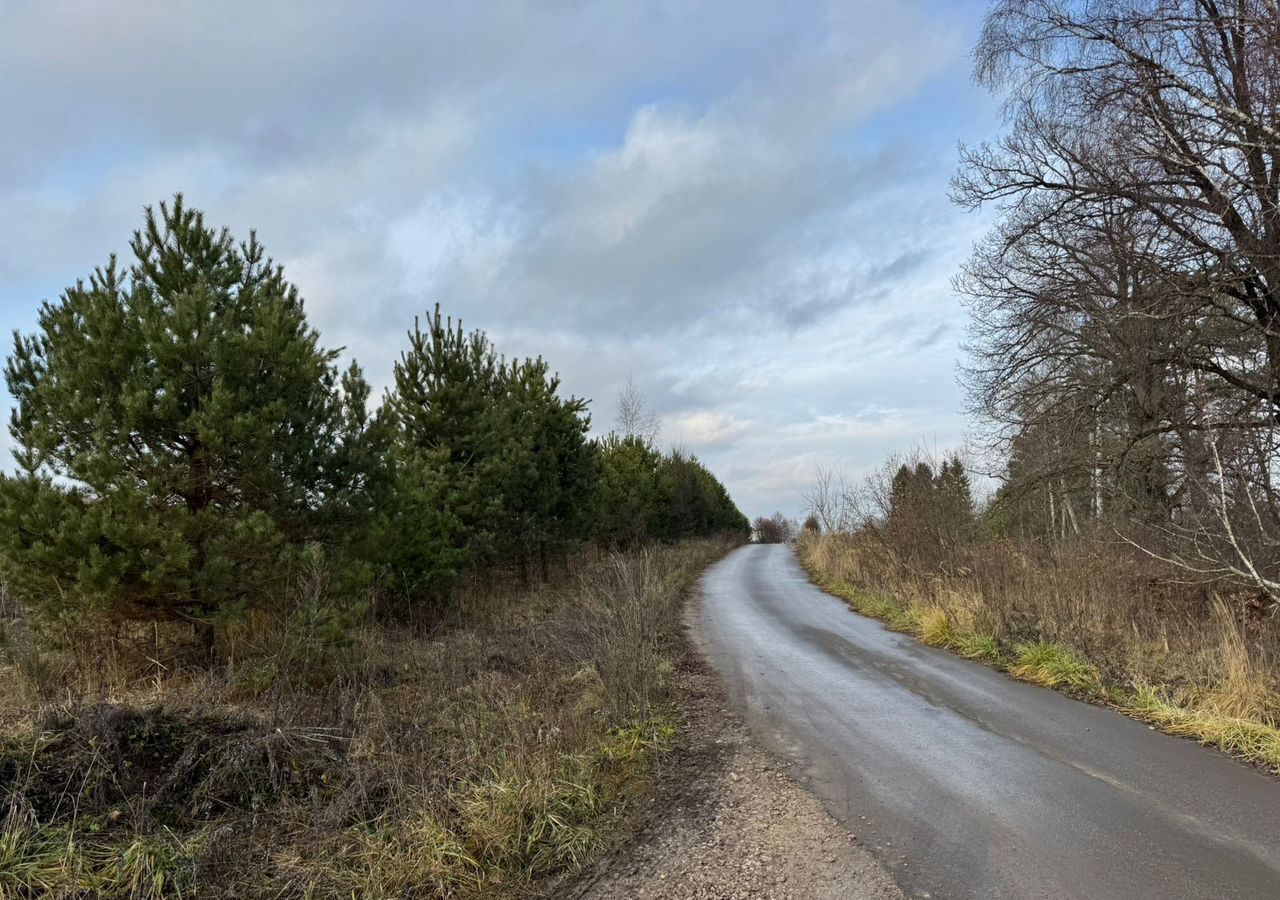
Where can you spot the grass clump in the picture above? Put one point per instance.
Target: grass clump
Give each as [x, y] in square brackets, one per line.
[870, 603]
[877, 606]
[394, 858]
[935, 628]
[1054, 665]
[933, 625]
[34, 861]
[982, 647]
[41, 861]
[152, 867]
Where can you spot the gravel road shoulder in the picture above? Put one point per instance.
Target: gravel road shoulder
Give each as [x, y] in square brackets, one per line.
[725, 820]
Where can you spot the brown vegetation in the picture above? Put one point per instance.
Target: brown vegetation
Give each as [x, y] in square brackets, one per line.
[375, 761]
[1090, 616]
[774, 529]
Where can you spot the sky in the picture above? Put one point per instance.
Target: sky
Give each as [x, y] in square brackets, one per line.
[741, 205]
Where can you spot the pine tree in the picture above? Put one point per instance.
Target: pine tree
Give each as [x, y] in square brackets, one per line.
[445, 496]
[549, 475]
[177, 430]
[646, 496]
[632, 500]
[689, 509]
[516, 474]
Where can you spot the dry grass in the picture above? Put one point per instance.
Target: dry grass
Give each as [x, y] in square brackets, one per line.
[1091, 619]
[371, 760]
[1206, 724]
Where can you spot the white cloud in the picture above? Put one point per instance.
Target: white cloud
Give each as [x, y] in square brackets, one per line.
[705, 429]
[715, 198]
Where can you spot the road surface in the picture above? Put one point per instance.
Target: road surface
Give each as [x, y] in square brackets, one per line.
[966, 783]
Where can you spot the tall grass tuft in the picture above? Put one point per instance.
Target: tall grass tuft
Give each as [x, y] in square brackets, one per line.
[1054, 665]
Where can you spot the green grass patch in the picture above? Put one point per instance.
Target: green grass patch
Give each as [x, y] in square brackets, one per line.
[982, 647]
[877, 606]
[1055, 665]
[50, 861]
[872, 603]
[932, 625]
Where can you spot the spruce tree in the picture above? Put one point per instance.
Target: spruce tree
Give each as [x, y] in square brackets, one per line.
[898, 514]
[177, 429]
[955, 501]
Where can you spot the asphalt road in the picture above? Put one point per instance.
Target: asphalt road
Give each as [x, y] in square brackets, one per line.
[974, 785]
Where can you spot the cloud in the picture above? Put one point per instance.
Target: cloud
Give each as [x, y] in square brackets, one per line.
[705, 429]
[740, 204]
[734, 206]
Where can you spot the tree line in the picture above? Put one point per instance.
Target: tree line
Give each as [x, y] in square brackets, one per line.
[184, 444]
[775, 529]
[921, 508]
[1126, 308]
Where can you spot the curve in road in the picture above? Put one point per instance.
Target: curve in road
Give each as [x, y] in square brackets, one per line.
[969, 784]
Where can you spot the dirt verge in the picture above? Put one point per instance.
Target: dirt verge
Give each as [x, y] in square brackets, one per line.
[725, 820]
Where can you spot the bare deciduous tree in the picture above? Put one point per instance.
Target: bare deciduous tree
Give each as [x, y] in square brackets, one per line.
[775, 529]
[832, 501]
[635, 417]
[1126, 310]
